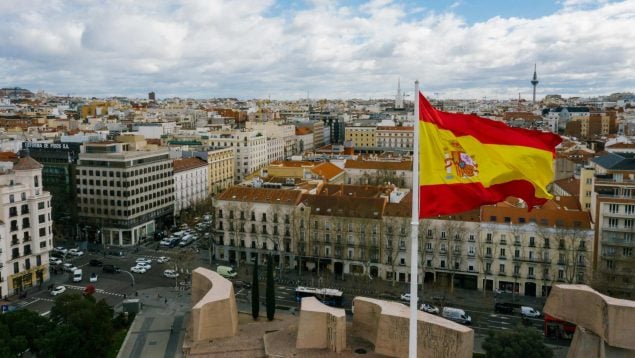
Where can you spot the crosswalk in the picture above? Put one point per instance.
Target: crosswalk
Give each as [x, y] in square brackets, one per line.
[98, 290]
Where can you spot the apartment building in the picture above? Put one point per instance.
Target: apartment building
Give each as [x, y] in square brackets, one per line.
[317, 129]
[220, 163]
[286, 132]
[124, 189]
[255, 221]
[613, 211]
[249, 146]
[190, 183]
[305, 139]
[362, 137]
[395, 138]
[26, 234]
[377, 171]
[365, 230]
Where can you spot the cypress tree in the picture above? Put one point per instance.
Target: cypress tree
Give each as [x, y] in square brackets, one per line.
[271, 293]
[255, 295]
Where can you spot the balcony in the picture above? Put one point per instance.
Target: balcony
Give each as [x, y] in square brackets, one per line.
[503, 242]
[15, 242]
[402, 247]
[517, 243]
[502, 273]
[531, 277]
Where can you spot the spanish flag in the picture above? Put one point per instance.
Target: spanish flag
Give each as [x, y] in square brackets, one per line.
[468, 161]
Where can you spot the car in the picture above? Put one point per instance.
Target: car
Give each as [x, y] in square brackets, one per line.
[143, 260]
[138, 269]
[110, 269]
[58, 290]
[147, 267]
[55, 261]
[95, 263]
[405, 297]
[426, 307]
[68, 267]
[75, 252]
[89, 290]
[526, 311]
[61, 250]
[170, 274]
[503, 307]
[242, 284]
[93, 277]
[163, 259]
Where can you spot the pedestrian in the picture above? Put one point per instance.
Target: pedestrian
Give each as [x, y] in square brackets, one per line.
[166, 301]
[171, 327]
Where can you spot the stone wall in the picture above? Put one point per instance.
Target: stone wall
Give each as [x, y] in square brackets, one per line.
[214, 312]
[321, 326]
[386, 325]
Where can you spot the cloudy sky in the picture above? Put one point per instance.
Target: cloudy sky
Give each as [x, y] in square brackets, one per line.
[328, 49]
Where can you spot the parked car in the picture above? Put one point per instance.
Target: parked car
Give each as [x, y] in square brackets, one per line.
[426, 307]
[503, 307]
[93, 277]
[163, 259]
[143, 260]
[75, 252]
[457, 315]
[147, 267]
[526, 311]
[95, 263]
[58, 290]
[55, 261]
[138, 269]
[110, 269]
[170, 274]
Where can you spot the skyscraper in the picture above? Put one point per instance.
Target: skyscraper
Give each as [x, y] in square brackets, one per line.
[534, 82]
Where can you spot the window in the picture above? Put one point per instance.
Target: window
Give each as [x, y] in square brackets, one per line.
[501, 268]
[610, 264]
[502, 252]
[612, 222]
[627, 251]
[613, 208]
[530, 271]
[561, 274]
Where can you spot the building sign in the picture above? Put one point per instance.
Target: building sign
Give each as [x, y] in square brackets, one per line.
[42, 145]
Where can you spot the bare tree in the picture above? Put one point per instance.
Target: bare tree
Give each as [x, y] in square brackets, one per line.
[484, 252]
[454, 232]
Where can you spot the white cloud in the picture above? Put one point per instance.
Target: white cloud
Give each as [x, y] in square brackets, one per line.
[252, 48]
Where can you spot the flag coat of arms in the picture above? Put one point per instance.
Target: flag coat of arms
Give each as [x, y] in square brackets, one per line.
[466, 161]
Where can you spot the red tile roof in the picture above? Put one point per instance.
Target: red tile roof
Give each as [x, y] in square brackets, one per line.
[260, 195]
[327, 170]
[378, 165]
[181, 165]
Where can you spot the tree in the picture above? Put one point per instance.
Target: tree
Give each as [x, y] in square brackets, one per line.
[522, 342]
[454, 231]
[21, 330]
[271, 290]
[81, 325]
[255, 295]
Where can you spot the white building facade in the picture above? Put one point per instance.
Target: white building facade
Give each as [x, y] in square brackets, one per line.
[190, 182]
[26, 234]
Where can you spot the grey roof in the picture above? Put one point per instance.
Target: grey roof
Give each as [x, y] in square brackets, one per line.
[616, 161]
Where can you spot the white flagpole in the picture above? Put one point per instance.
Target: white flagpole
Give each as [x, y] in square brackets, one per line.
[414, 233]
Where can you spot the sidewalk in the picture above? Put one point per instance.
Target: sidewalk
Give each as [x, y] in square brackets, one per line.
[158, 330]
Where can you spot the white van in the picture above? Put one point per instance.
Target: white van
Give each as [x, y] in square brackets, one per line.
[457, 315]
[77, 275]
[226, 271]
[526, 311]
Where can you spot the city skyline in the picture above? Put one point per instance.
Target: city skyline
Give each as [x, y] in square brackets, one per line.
[321, 49]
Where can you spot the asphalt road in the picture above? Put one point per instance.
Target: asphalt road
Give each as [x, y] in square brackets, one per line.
[115, 287]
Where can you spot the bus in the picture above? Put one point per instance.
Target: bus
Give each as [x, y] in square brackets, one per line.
[328, 296]
[556, 328]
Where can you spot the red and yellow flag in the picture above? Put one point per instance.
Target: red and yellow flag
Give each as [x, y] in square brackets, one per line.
[468, 161]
